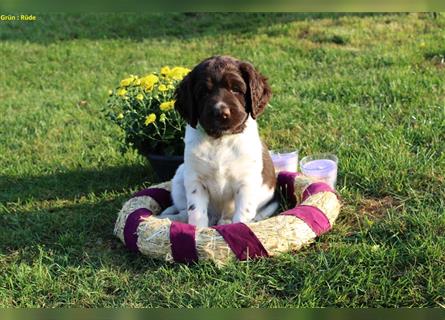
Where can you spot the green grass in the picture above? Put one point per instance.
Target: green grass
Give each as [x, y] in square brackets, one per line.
[369, 88]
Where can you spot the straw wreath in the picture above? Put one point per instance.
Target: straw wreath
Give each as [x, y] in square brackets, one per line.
[140, 230]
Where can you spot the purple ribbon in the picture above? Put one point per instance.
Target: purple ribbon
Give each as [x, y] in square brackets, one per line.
[312, 216]
[242, 241]
[183, 244]
[131, 227]
[161, 196]
[285, 182]
[316, 188]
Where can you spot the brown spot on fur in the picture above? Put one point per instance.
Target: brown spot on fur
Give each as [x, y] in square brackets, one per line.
[268, 172]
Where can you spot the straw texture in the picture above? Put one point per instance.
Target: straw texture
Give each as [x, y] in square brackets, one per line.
[278, 234]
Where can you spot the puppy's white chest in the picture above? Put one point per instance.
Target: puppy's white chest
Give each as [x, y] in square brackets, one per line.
[212, 160]
[224, 159]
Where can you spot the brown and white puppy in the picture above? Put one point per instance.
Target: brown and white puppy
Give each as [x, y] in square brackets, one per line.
[227, 175]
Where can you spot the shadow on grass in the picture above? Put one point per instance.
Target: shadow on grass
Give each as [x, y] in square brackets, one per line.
[72, 184]
[77, 231]
[72, 235]
[51, 28]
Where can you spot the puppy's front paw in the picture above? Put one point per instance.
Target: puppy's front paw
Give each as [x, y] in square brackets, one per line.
[244, 218]
[198, 217]
[198, 222]
[224, 221]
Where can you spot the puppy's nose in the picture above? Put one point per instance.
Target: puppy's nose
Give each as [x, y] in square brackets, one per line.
[222, 111]
[225, 112]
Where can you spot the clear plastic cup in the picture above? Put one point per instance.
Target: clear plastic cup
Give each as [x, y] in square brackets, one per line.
[284, 160]
[321, 167]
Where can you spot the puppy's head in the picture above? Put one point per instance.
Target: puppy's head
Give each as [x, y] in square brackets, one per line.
[220, 93]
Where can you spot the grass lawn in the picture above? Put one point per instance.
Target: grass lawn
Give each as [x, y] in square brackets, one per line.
[370, 88]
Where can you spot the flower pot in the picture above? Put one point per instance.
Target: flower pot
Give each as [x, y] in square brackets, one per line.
[164, 166]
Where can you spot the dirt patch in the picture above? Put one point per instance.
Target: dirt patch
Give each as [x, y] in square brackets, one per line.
[436, 58]
[304, 33]
[321, 37]
[356, 216]
[377, 208]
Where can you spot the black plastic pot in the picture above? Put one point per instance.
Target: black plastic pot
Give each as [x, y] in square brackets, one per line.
[164, 166]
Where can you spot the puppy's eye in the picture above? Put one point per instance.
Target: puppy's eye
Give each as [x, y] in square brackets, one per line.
[236, 89]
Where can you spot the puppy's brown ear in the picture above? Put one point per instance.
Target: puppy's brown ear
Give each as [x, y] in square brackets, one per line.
[258, 90]
[185, 102]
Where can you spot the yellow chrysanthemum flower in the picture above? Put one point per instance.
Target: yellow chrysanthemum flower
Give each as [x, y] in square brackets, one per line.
[137, 82]
[150, 119]
[122, 92]
[177, 73]
[140, 97]
[149, 81]
[162, 87]
[126, 82]
[120, 116]
[168, 105]
[165, 70]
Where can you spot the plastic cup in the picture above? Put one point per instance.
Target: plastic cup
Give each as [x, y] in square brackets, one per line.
[321, 167]
[285, 160]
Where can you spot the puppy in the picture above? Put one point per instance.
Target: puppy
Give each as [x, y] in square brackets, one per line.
[227, 175]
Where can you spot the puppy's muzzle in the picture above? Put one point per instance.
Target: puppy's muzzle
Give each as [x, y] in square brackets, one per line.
[221, 112]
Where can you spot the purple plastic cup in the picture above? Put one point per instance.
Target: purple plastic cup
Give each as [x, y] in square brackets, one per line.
[321, 167]
[284, 160]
